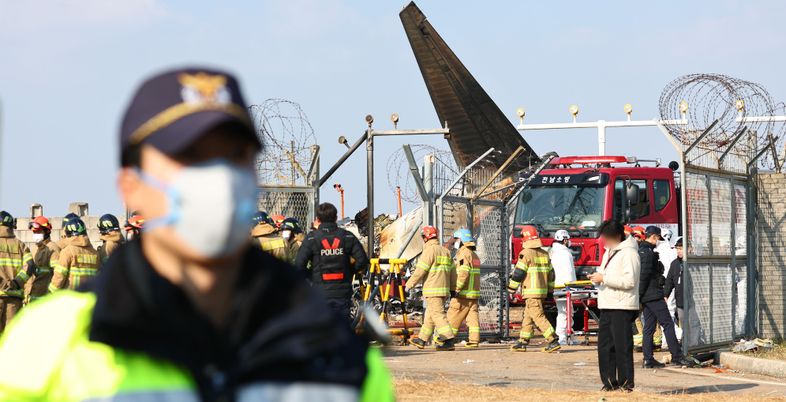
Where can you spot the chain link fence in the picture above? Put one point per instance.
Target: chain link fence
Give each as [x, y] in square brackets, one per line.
[290, 201]
[717, 270]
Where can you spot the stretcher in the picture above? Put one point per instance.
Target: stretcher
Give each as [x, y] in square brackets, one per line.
[584, 294]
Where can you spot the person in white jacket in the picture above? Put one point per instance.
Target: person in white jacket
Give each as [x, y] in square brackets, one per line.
[564, 272]
[617, 280]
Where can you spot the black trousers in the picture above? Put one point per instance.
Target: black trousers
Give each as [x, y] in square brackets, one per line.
[615, 348]
[657, 312]
[340, 306]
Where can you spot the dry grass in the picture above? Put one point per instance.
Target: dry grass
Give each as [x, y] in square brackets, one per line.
[778, 352]
[411, 390]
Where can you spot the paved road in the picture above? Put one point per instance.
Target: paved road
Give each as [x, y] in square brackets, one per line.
[574, 367]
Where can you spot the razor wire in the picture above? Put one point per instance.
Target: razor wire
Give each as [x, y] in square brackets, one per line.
[701, 99]
[399, 175]
[289, 142]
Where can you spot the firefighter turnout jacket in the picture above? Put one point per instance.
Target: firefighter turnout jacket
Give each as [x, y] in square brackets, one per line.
[330, 250]
[111, 241]
[45, 257]
[157, 346]
[533, 272]
[467, 273]
[270, 241]
[16, 264]
[435, 269]
[77, 264]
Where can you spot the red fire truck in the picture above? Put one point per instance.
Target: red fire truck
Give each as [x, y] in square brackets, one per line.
[578, 193]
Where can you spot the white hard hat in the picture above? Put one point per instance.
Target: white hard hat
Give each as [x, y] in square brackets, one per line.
[561, 235]
[665, 234]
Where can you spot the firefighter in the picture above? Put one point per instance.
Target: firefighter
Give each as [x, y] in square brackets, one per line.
[63, 241]
[564, 272]
[46, 254]
[191, 311]
[329, 250]
[638, 233]
[78, 262]
[435, 269]
[109, 227]
[16, 268]
[535, 276]
[293, 234]
[134, 225]
[268, 236]
[465, 305]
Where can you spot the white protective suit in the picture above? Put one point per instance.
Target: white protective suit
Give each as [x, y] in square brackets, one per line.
[562, 261]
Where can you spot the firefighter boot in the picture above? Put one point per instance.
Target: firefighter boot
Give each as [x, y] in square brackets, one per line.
[553, 346]
[471, 345]
[448, 344]
[419, 343]
[519, 346]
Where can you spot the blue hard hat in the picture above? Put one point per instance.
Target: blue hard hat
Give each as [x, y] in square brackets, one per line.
[108, 223]
[464, 235]
[262, 217]
[74, 227]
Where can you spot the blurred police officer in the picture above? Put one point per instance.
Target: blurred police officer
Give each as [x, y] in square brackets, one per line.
[330, 249]
[189, 311]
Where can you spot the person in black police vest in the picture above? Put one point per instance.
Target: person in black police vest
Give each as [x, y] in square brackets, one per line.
[330, 250]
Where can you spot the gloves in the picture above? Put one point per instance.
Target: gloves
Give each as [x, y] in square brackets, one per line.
[453, 293]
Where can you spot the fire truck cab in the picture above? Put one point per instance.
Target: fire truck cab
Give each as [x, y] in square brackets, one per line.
[578, 193]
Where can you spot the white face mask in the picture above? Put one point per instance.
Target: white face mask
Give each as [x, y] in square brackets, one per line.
[38, 237]
[457, 245]
[286, 234]
[210, 206]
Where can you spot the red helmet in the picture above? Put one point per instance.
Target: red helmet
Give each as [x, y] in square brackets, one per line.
[135, 222]
[278, 220]
[529, 232]
[429, 232]
[39, 224]
[628, 230]
[638, 232]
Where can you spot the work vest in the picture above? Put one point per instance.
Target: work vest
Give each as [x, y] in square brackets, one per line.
[70, 367]
[467, 273]
[332, 267]
[538, 275]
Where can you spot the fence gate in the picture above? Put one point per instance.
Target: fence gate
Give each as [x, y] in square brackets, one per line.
[719, 267]
[478, 199]
[290, 201]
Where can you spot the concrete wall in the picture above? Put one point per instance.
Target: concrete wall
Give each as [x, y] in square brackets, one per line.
[771, 215]
[91, 221]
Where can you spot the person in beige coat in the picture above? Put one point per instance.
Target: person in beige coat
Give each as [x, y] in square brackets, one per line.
[617, 280]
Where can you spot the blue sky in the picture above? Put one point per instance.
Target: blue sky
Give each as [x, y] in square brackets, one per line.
[69, 67]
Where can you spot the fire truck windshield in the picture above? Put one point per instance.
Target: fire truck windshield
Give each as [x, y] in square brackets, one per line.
[555, 207]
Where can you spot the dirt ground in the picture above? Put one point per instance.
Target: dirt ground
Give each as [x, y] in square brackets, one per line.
[493, 372]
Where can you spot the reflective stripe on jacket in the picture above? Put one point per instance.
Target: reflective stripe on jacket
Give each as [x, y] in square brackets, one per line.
[70, 367]
[435, 269]
[533, 273]
[14, 260]
[467, 273]
[45, 256]
[271, 241]
[76, 264]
